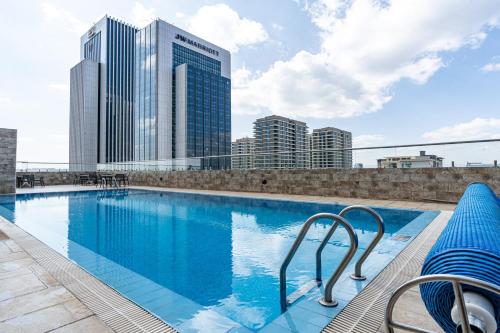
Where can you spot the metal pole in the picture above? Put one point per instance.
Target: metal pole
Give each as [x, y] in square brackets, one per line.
[462, 310]
[380, 233]
[320, 250]
[456, 280]
[328, 299]
[289, 256]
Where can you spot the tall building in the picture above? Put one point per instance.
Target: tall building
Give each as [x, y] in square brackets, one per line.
[309, 150]
[110, 43]
[84, 116]
[328, 148]
[421, 161]
[183, 96]
[246, 148]
[163, 94]
[280, 143]
[102, 96]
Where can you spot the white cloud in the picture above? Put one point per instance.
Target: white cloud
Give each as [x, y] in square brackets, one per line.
[493, 66]
[63, 19]
[367, 140]
[223, 26]
[277, 27]
[479, 128]
[366, 48]
[5, 100]
[142, 16]
[240, 77]
[59, 87]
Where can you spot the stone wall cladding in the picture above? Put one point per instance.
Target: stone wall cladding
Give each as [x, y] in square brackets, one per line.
[54, 178]
[440, 184]
[8, 146]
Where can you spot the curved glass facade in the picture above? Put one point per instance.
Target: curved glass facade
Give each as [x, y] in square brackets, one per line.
[146, 106]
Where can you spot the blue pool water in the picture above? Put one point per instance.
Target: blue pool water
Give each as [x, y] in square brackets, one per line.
[203, 262]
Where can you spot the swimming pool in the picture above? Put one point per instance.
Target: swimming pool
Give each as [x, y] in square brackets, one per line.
[204, 262]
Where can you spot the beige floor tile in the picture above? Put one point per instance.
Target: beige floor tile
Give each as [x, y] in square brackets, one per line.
[47, 319]
[16, 272]
[10, 256]
[10, 266]
[4, 249]
[12, 245]
[20, 285]
[22, 305]
[87, 325]
[44, 276]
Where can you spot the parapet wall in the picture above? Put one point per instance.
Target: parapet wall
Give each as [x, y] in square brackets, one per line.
[8, 146]
[53, 177]
[440, 184]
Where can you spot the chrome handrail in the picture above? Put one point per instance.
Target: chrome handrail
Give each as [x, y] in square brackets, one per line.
[298, 241]
[328, 299]
[357, 270]
[456, 280]
[380, 233]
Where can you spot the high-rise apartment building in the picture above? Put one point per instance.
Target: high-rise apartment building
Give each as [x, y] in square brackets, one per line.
[280, 143]
[328, 148]
[163, 94]
[246, 148]
[309, 150]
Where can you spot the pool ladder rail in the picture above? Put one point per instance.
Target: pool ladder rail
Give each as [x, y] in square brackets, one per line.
[328, 299]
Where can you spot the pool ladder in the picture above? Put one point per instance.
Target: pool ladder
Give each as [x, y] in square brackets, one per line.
[328, 299]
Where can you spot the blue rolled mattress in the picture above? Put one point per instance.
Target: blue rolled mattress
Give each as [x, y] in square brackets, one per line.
[469, 246]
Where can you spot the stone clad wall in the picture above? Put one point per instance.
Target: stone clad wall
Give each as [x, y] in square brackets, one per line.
[8, 146]
[53, 177]
[440, 184]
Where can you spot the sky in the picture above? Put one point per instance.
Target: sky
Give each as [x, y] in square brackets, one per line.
[391, 72]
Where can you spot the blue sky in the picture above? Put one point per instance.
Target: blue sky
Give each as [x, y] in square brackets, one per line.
[389, 71]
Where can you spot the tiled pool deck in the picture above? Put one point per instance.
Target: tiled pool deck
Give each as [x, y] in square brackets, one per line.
[42, 291]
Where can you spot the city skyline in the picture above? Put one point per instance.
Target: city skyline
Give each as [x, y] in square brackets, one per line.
[153, 94]
[441, 88]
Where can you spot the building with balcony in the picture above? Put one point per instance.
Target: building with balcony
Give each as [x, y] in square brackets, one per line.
[246, 148]
[280, 143]
[328, 148]
[421, 161]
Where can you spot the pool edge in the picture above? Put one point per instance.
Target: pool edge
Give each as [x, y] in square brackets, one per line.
[117, 312]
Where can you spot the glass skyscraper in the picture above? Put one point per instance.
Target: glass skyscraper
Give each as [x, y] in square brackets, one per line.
[164, 95]
[183, 97]
[109, 43]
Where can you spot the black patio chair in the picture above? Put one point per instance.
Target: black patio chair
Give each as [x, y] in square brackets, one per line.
[121, 179]
[38, 180]
[26, 181]
[84, 179]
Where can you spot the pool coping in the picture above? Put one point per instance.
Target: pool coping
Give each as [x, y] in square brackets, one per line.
[117, 312]
[121, 314]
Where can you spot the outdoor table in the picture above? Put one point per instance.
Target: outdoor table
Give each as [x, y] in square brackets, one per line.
[108, 178]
